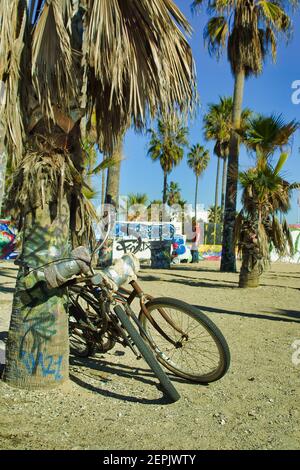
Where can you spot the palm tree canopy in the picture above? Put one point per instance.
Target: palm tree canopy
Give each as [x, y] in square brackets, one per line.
[265, 134]
[60, 60]
[263, 184]
[198, 159]
[265, 193]
[218, 124]
[137, 198]
[173, 193]
[168, 142]
[249, 29]
[215, 214]
[265, 189]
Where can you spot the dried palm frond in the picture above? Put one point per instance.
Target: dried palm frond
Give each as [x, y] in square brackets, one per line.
[139, 63]
[53, 73]
[45, 178]
[12, 27]
[277, 237]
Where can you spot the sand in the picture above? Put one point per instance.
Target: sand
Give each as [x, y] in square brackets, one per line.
[112, 400]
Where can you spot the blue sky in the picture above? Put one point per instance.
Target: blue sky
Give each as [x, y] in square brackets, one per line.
[271, 92]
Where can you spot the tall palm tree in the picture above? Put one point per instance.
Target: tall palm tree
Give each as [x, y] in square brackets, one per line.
[265, 195]
[249, 30]
[167, 145]
[198, 159]
[217, 127]
[62, 61]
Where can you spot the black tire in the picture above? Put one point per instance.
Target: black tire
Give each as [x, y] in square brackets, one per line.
[185, 348]
[147, 354]
[81, 344]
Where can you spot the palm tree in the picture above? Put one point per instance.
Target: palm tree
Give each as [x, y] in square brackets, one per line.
[61, 62]
[173, 193]
[217, 127]
[249, 29]
[167, 146]
[212, 211]
[265, 195]
[198, 159]
[137, 205]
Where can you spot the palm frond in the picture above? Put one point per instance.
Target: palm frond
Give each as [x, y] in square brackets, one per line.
[215, 35]
[139, 63]
[106, 163]
[12, 28]
[52, 63]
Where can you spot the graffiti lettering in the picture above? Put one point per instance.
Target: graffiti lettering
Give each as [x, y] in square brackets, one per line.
[129, 246]
[48, 364]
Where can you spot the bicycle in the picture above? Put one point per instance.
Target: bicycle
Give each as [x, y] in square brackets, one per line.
[174, 330]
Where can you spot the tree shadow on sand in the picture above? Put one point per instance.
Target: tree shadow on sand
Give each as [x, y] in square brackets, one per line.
[202, 283]
[293, 315]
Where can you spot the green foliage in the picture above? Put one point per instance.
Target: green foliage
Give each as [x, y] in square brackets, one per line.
[211, 215]
[173, 193]
[167, 143]
[265, 193]
[249, 30]
[137, 198]
[198, 159]
[218, 124]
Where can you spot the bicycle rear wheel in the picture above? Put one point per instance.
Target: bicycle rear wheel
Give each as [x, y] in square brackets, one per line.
[185, 340]
[86, 330]
[80, 339]
[147, 354]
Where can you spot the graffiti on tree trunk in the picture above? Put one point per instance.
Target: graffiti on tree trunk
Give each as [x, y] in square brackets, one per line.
[49, 365]
[39, 328]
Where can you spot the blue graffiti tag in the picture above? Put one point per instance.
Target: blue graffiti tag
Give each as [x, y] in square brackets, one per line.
[48, 365]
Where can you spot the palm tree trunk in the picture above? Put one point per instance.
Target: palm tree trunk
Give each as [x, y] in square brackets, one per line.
[223, 186]
[165, 187]
[113, 176]
[37, 353]
[248, 278]
[216, 199]
[228, 262]
[196, 197]
[103, 189]
[3, 160]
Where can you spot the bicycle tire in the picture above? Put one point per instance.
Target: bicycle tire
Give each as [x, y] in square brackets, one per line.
[80, 342]
[163, 348]
[147, 354]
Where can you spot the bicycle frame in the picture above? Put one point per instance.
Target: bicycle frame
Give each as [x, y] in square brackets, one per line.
[137, 291]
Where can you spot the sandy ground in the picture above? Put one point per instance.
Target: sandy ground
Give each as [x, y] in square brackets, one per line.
[112, 401]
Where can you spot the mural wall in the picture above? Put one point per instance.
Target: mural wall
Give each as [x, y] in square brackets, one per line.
[295, 230]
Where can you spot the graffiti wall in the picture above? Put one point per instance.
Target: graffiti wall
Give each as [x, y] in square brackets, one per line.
[210, 252]
[295, 231]
[7, 240]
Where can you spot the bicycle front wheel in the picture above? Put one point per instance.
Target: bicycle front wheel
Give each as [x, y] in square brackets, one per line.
[185, 340]
[147, 354]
